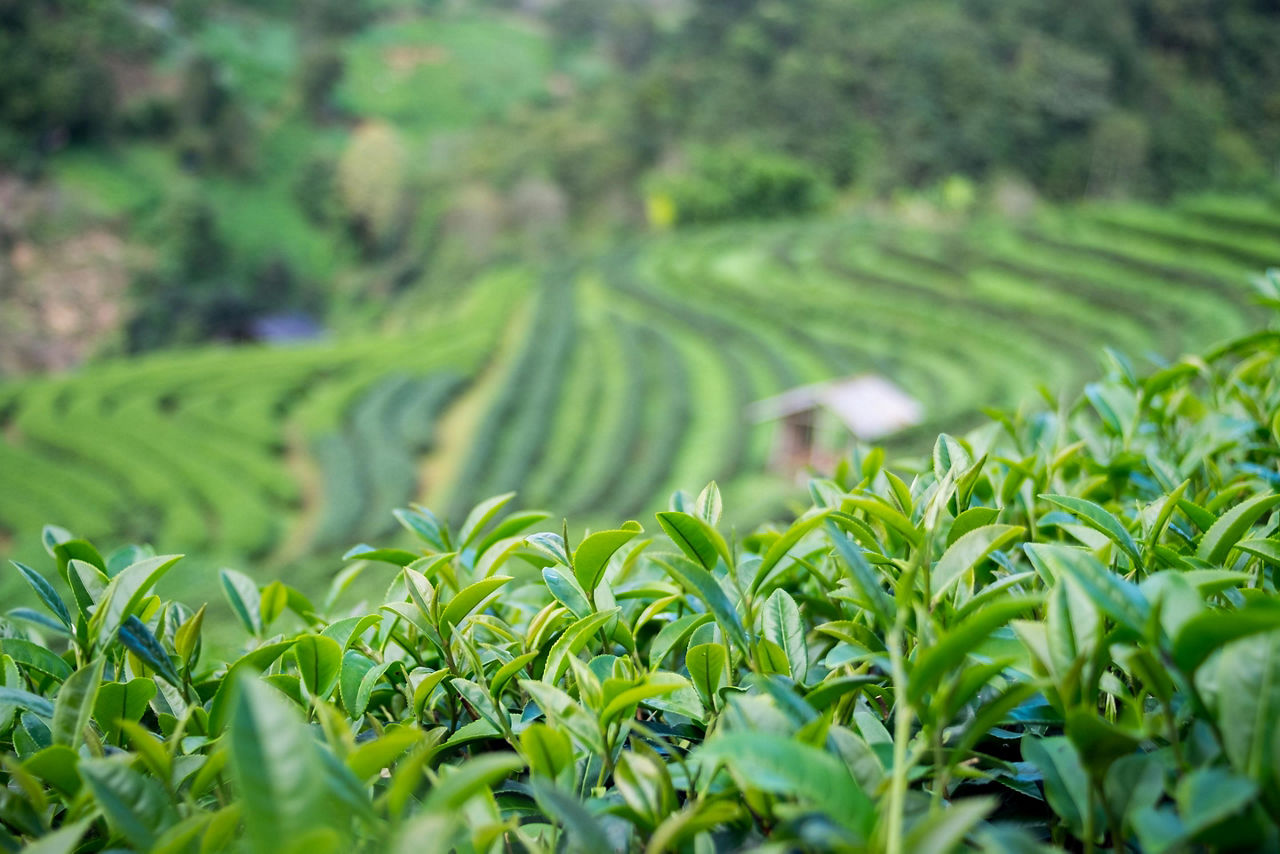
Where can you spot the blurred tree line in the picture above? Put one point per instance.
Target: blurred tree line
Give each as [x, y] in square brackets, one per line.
[674, 111]
[1077, 97]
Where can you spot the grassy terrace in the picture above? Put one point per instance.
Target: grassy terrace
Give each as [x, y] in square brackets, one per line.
[627, 380]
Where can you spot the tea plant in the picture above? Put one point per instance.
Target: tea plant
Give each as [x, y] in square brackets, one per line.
[1061, 631]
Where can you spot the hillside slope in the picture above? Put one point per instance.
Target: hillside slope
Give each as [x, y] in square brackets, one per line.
[620, 380]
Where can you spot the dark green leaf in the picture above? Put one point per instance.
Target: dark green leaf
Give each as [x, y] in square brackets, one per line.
[45, 591]
[136, 807]
[139, 640]
[789, 768]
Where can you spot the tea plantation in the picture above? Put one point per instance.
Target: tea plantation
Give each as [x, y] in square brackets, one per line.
[1060, 632]
[620, 380]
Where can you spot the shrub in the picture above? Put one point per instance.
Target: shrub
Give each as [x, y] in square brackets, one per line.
[733, 184]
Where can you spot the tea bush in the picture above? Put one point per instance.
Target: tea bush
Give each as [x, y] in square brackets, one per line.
[1060, 632]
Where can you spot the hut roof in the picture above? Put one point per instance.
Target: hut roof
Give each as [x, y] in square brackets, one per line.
[868, 404]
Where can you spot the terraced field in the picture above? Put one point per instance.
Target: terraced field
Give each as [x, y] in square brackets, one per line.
[620, 380]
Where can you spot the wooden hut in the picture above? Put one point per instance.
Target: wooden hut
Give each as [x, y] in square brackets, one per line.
[819, 421]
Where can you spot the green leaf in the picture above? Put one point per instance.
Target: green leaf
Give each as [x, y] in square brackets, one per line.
[1134, 783]
[707, 664]
[571, 641]
[691, 822]
[424, 524]
[423, 692]
[35, 657]
[244, 598]
[186, 641]
[1206, 797]
[480, 516]
[125, 593]
[701, 542]
[59, 766]
[354, 667]
[650, 685]
[368, 680]
[1232, 526]
[674, 634]
[319, 661]
[348, 630]
[33, 703]
[551, 545]
[566, 591]
[413, 615]
[783, 626]
[645, 784]
[1267, 550]
[949, 453]
[1099, 519]
[122, 701]
[64, 840]
[67, 548]
[781, 546]
[1066, 785]
[591, 558]
[967, 552]
[944, 830]
[1098, 741]
[477, 774]
[1204, 633]
[272, 602]
[970, 520]
[946, 654]
[1248, 680]
[44, 590]
[275, 765]
[510, 528]
[829, 691]
[507, 672]
[548, 750]
[890, 516]
[74, 704]
[368, 760]
[1115, 597]
[136, 807]
[467, 600]
[396, 557]
[181, 837]
[703, 584]
[783, 766]
[252, 662]
[862, 576]
[586, 834]
[709, 505]
[87, 584]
